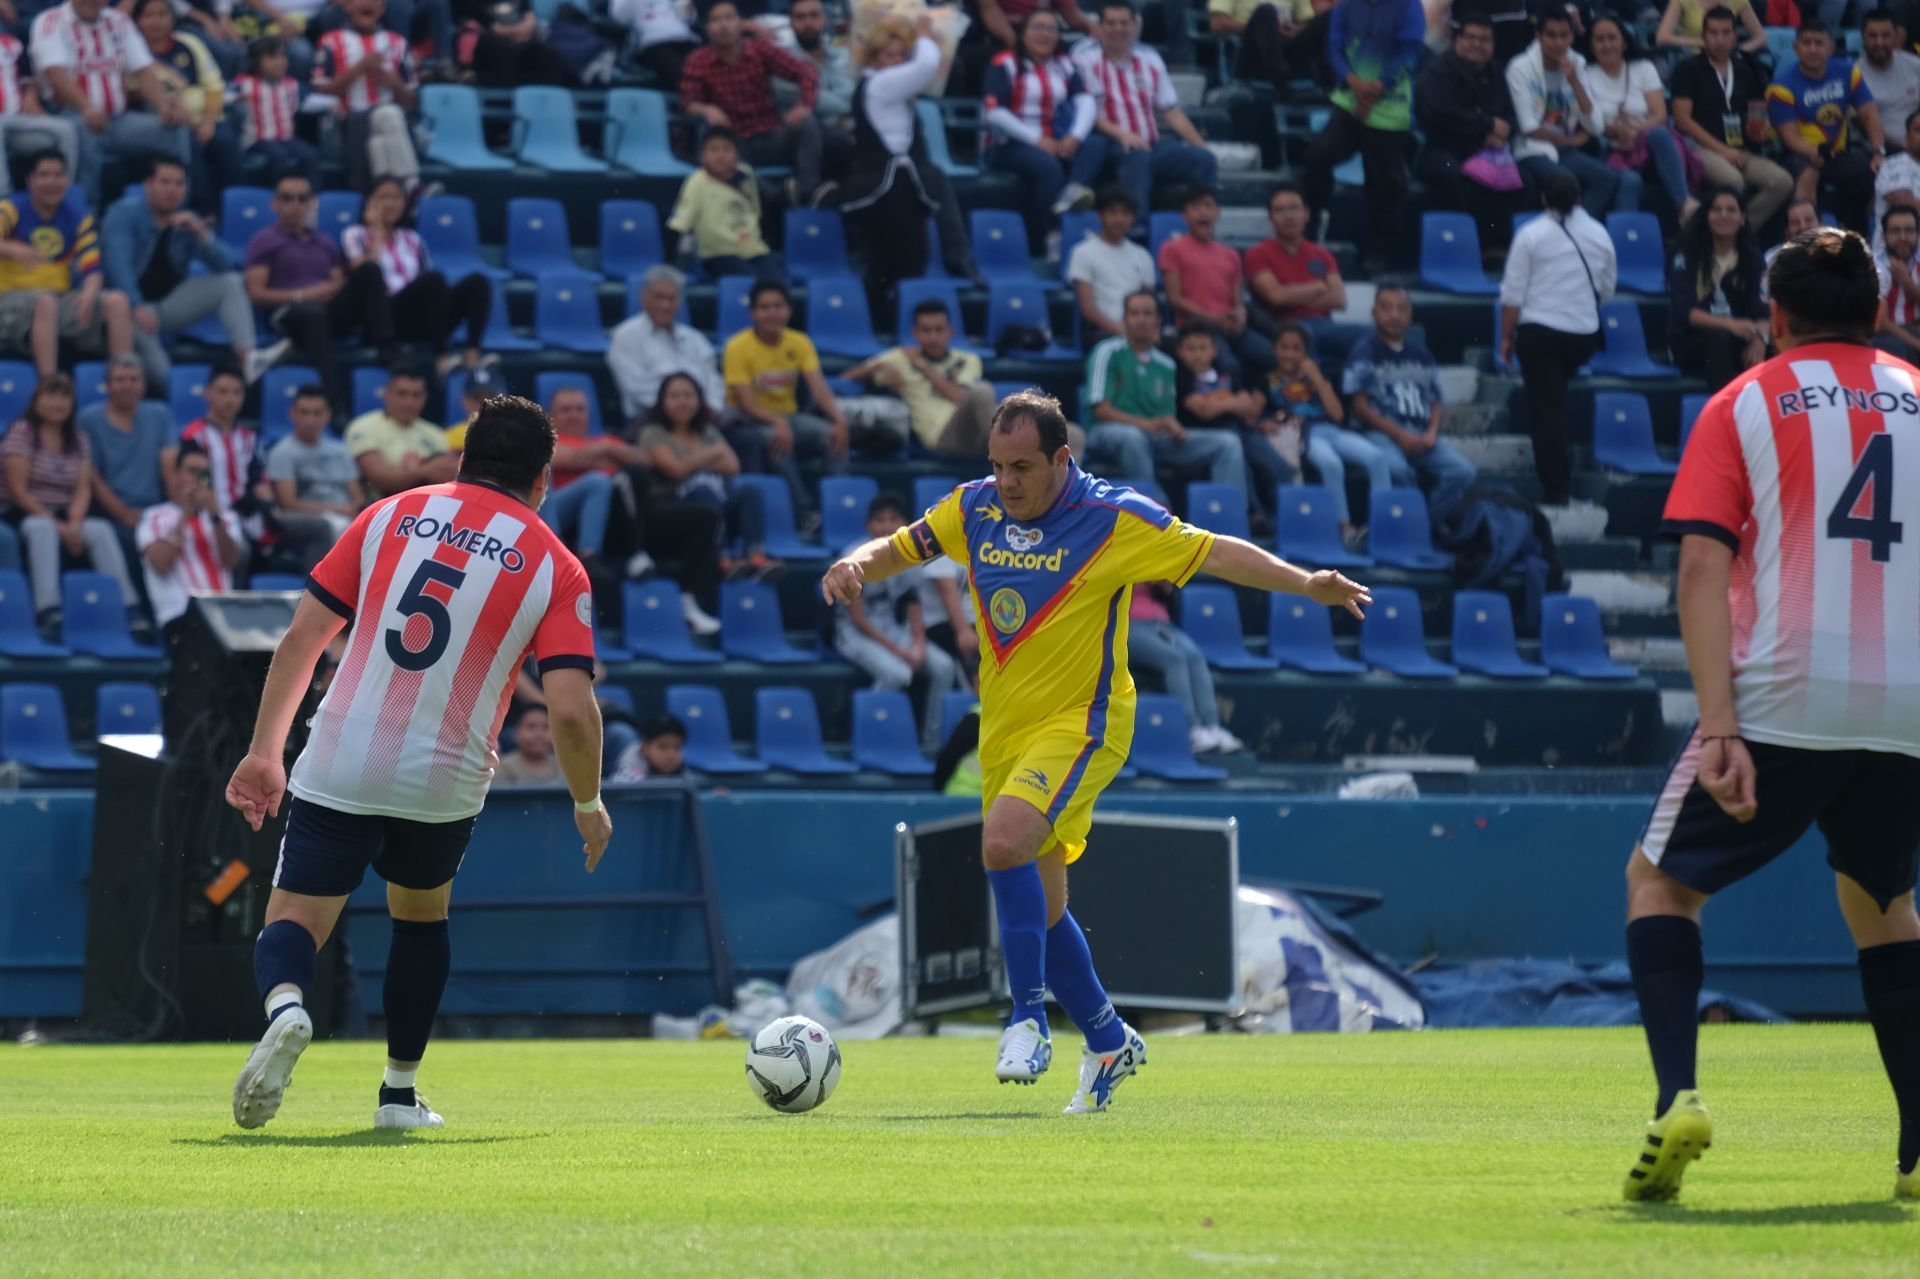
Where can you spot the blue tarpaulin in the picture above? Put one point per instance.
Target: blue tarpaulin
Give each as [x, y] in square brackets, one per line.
[1545, 992]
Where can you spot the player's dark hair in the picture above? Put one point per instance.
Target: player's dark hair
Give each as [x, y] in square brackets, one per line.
[226, 370]
[1897, 211]
[763, 287]
[509, 443]
[932, 306]
[1196, 329]
[1562, 193]
[1825, 283]
[884, 504]
[39, 158]
[312, 391]
[1038, 408]
[1115, 197]
[1879, 15]
[1719, 13]
[1814, 27]
[663, 726]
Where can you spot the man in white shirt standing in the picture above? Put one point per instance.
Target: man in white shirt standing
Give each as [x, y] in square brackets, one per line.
[1105, 269]
[644, 349]
[86, 55]
[188, 546]
[1892, 74]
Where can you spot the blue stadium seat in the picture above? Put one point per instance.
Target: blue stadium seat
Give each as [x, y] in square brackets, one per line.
[953, 708]
[1218, 508]
[1011, 302]
[1450, 255]
[709, 734]
[913, 292]
[1690, 408]
[369, 381]
[936, 260]
[751, 626]
[93, 619]
[1780, 45]
[1161, 227]
[636, 136]
[1350, 172]
[1309, 530]
[1000, 244]
[1162, 742]
[843, 510]
[1400, 533]
[1300, 634]
[338, 211]
[243, 211]
[547, 385]
[616, 697]
[838, 320]
[451, 231]
[786, 733]
[927, 492]
[733, 300]
[1483, 639]
[186, 392]
[1625, 354]
[19, 637]
[125, 707]
[1572, 643]
[455, 390]
[89, 383]
[500, 334]
[276, 582]
[1623, 435]
[816, 244]
[277, 389]
[538, 239]
[546, 133]
[1523, 217]
[939, 150]
[566, 312]
[1211, 615]
[451, 113]
[17, 380]
[1393, 638]
[783, 532]
[656, 627]
[33, 729]
[885, 737]
[1075, 227]
[1639, 248]
[630, 240]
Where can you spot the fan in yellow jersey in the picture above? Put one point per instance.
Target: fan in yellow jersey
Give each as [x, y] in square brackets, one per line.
[1052, 554]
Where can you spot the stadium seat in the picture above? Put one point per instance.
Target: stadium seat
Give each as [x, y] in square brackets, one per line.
[451, 231]
[186, 392]
[93, 618]
[33, 729]
[1161, 227]
[1211, 615]
[1393, 639]
[927, 492]
[885, 737]
[1400, 533]
[1024, 302]
[616, 697]
[655, 625]
[1780, 45]
[548, 385]
[1450, 255]
[545, 132]
[1623, 436]
[90, 384]
[368, 382]
[1163, 745]
[838, 320]
[783, 532]
[1625, 354]
[630, 240]
[1300, 635]
[1690, 408]
[17, 380]
[1218, 508]
[953, 708]
[709, 734]
[566, 312]
[843, 510]
[1309, 530]
[1572, 643]
[939, 150]
[636, 134]
[125, 707]
[936, 259]
[913, 292]
[1075, 227]
[277, 390]
[1350, 172]
[1523, 217]
[1639, 248]
[733, 300]
[1000, 244]
[751, 627]
[816, 244]
[243, 211]
[786, 733]
[1483, 639]
[455, 390]
[538, 240]
[456, 138]
[338, 210]
[19, 637]
[276, 582]
[500, 334]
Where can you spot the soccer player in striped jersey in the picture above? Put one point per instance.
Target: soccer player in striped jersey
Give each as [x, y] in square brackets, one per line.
[442, 590]
[1797, 507]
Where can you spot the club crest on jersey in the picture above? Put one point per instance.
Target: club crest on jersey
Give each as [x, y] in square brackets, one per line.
[1008, 610]
[473, 541]
[1023, 539]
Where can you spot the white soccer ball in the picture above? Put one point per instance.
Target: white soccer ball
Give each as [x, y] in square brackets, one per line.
[793, 1065]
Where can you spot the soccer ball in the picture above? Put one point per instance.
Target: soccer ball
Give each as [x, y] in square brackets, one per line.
[793, 1065]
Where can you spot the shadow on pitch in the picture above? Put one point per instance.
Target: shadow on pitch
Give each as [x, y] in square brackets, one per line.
[923, 1119]
[348, 1140]
[1866, 1212]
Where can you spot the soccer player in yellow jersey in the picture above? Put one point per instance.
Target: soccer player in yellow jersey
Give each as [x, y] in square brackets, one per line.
[1052, 555]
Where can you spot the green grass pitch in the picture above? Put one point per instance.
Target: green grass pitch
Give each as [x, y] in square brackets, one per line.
[1448, 1153]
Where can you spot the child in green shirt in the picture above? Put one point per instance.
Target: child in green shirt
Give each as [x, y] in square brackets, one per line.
[719, 211]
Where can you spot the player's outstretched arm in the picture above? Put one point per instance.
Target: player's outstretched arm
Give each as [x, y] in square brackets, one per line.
[1245, 564]
[260, 782]
[874, 561]
[575, 717]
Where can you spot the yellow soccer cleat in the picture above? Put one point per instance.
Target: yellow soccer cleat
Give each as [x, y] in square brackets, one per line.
[1674, 1140]
[1906, 1185]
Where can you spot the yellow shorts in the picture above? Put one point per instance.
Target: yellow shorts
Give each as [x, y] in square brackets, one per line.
[1061, 774]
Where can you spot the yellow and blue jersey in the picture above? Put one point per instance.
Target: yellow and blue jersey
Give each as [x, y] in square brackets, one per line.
[1818, 109]
[67, 239]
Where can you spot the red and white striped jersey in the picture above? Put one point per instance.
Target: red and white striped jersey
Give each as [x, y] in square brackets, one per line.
[1131, 94]
[268, 108]
[1808, 468]
[1900, 307]
[99, 55]
[402, 258]
[229, 454]
[12, 53]
[1033, 93]
[446, 589]
[341, 51]
[197, 571]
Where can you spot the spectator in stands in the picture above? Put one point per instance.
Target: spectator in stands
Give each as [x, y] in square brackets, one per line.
[661, 752]
[1562, 269]
[688, 472]
[1900, 314]
[428, 23]
[301, 279]
[1719, 104]
[88, 56]
[1279, 42]
[646, 347]
[812, 38]
[580, 499]
[1131, 386]
[509, 47]
[1134, 97]
[150, 245]
[269, 101]
[25, 126]
[1204, 285]
[661, 38]
[1104, 268]
[1630, 115]
[1373, 46]
[1300, 398]
[1213, 398]
[717, 214]
[1719, 325]
[949, 406]
[47, 464]
[1156, 644]
[729, 84]
[1037, 116]
[232, 450]
[370, 71]
[1802, 217]
[1293, 279]
[1897, 185]
[765, 366]
[1684, 24]
[189, 545]
[1463, 104]
[48, 244]
[888, 193]
[127, 434]
[1393, 385]
[189, 78]
[421, 302]
[884, 633]
[395, 448]
[1811, 103]
[316, 486]
[1554, 115]
[531, 762]
[1892, 74]
[994, 30]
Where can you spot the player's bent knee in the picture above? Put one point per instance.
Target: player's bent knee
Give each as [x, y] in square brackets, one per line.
[419, 905]
[1651, 891]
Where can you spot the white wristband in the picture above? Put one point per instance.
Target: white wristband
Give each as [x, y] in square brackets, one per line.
[591, 806]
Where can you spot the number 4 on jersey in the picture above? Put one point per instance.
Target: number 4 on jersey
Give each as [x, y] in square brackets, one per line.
[1878, 529]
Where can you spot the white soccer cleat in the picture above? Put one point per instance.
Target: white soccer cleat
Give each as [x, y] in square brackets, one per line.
[263, 1080]
[1101, 1073]
[1025, 1053]
[418, 1115]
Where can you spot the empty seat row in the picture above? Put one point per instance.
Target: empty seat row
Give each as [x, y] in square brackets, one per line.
[93, 620]
[1450, 252]
[33, 722]
[1399, 530]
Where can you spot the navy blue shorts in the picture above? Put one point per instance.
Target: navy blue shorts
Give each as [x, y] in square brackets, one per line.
[325, 852]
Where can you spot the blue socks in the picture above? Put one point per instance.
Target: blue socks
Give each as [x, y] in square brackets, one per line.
[417, 963]
[1663, 952]
[1021, 901]
[283, 955]
[1070, 975]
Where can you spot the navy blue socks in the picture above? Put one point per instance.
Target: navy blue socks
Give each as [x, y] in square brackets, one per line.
[1020, 899]
[417, 962]
[1071, 977]
[1663, 951]
[283, 955]
[1890, 980]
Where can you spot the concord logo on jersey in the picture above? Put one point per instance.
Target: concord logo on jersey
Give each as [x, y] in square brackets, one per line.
[997, 558]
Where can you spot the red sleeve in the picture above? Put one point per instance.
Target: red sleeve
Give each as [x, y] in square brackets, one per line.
[1710, 495]
[564, 639]
[335, 580]
[693, 80]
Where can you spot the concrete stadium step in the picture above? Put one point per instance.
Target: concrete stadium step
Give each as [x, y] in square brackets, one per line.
[1679, 707]
[1624, 592]
[1577, 521]
[1496, 454]
[1618, 554]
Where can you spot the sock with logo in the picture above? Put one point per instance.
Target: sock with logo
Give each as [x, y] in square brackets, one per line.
[1890, 980]
[1077, 987]
[1021, 902]
[1663, 953]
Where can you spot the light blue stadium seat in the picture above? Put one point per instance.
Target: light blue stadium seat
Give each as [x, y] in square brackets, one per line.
[1450, 255]
[838, 319]
[451, 113]
[566, 312]
[1400, 532]
[1024, 302]
[843, 510]
[656, 626]
[783, 532]
[547, 385]
[751, 627]
[1300, 634]
[1690, 408]
[1162, 742]
[786, 733]
[89, 383]
[1210, 613]
[33, 729]
[547, 134]
[1161, 227]
[927, 492]
[630, 240]
[709, 734]
[1000, 244]
[816, 244]
[1780, 45]
[451, 231]
[885, 737]
[636, 136]
[913, 292]
[616, 697]
[538, 239]
[500, 334]
[1639, 249]
[1483, 640]
[368, 382]
[186, 392]
[733, 300]
[1075, 227]
[19, 637]
[1572, 642]
[1394, 639]
[276, 582]
[939, 150]
[1623, 435]
[277, 390]
[1309, 529]
[1350, 172]
[953, 708]
[1625, 353]
[1218, 508]
[243, 211]
[93, 619]
[338, 211]
[124, 706]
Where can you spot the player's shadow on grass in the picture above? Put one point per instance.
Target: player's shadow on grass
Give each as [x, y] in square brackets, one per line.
[1866, 1212]
[922, 1119]
[371, 1137]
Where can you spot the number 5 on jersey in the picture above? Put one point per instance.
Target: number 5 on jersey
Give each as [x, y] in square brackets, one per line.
[415, 602]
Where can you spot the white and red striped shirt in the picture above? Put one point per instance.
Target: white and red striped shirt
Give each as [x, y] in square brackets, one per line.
[1022, 99]
[99, 55]
[1808, 467]
[402, 258]
[1900, 307]
[229, 454]
[341, 51]
[446, 589]
[268, 108]
[1130, 94]
[197, 571]
[12, 53]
